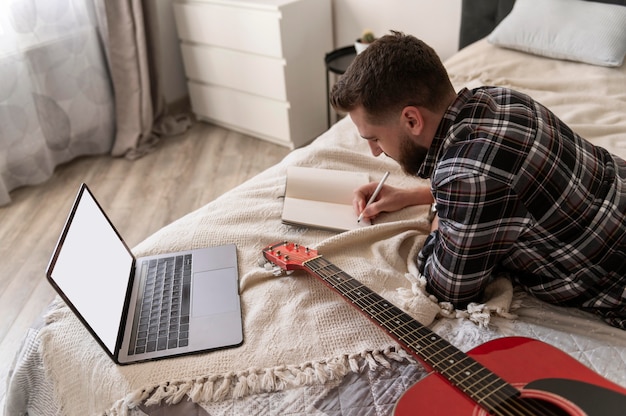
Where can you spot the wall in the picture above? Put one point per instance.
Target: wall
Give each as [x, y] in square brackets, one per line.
[435, 22]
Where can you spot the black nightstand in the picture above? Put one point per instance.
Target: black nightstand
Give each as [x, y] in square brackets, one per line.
[337, 62]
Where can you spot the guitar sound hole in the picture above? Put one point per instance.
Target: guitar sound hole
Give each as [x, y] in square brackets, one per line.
[538, 403]
[537, 407]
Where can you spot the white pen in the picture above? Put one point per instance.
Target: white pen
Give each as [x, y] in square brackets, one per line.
[374, 195]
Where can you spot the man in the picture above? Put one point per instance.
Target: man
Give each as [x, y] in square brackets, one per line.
[515, 188]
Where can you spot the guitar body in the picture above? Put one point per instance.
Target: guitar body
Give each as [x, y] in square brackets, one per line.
[537, 369]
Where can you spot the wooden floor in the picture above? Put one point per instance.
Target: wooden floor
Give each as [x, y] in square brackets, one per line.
[140, 197]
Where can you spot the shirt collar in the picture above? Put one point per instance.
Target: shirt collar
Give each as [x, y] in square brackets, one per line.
[449, 116]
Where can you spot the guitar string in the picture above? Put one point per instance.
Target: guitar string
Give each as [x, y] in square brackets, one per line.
[429, 345]
[497, 401]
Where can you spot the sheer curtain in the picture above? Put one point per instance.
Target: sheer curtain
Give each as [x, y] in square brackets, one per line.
[55, 92]
[77, 77]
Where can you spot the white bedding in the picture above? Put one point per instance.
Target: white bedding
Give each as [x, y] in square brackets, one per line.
[590, 99]
[298, 335]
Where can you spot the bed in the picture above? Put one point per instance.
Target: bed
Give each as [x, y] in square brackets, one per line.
[306, 351]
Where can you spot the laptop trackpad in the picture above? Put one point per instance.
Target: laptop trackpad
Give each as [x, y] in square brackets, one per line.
[214, 291]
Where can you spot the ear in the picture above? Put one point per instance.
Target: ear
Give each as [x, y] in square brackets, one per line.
[413, 119]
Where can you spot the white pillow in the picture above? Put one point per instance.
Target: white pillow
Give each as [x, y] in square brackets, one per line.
[594, 33]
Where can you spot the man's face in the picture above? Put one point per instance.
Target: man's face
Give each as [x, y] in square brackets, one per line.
[393, 140]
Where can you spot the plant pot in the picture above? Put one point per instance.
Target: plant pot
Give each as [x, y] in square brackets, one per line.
[359, 46]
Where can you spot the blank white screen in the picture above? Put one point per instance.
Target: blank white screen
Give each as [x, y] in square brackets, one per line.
[93, 268]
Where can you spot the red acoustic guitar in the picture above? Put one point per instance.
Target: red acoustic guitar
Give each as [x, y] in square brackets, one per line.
[506, 376]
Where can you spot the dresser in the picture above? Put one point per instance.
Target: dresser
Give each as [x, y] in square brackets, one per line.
[257, 66]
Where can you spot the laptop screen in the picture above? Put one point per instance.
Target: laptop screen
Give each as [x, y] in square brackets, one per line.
[91, 266]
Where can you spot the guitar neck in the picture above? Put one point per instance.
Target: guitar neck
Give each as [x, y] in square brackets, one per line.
[483, 386]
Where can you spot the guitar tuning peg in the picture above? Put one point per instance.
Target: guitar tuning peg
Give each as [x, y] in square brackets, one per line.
[277, 271]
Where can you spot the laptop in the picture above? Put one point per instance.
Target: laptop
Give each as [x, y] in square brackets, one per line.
[147, 308]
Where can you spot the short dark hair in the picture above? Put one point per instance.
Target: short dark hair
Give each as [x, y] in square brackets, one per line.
[396, 70]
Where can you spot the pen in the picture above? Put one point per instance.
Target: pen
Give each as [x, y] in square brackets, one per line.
[374, 195]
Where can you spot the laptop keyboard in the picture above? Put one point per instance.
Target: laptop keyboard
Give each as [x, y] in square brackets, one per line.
[162, 314]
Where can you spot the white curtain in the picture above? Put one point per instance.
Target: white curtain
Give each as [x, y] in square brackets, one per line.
[77, 77]
[56, 99]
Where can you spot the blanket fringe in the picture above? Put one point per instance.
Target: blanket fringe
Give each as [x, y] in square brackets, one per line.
[255, 380]
[425, 307]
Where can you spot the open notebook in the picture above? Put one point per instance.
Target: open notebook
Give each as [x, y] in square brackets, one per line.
[322, 198]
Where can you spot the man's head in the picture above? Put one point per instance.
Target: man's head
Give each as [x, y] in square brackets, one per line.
[396, 92]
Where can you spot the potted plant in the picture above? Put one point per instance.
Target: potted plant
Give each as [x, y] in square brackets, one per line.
[364, 41]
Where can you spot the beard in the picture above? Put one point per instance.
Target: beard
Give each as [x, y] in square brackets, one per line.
[412, 156]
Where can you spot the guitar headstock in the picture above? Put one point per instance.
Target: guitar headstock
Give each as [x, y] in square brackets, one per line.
[289, 256]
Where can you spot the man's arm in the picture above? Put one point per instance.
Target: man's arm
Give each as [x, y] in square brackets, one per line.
[478, 221]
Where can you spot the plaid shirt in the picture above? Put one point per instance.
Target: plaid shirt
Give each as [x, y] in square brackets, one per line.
[518, 191]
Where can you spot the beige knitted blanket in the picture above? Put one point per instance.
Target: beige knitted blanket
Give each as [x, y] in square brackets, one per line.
[296, 331]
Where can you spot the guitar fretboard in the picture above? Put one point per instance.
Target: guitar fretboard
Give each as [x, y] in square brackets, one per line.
[482, 385]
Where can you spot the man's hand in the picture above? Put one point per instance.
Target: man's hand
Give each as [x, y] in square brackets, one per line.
[389, 199]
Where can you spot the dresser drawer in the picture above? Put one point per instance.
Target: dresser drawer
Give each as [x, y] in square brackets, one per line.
[252, 113]
[254, 66]
[255, 74]
[248, 30]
